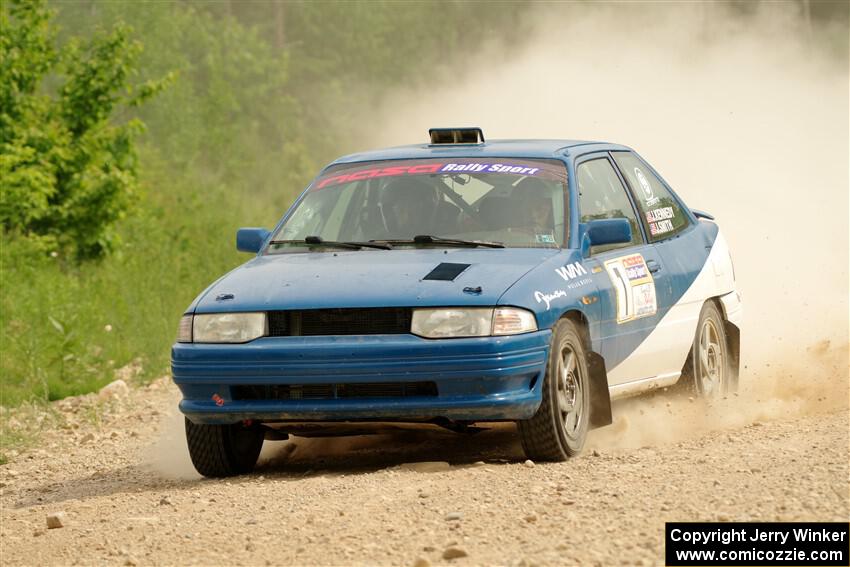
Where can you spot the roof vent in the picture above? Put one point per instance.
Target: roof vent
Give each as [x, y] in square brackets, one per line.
[456, 135]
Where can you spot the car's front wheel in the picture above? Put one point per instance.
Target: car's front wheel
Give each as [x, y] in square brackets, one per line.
[224, 450]
[559, 427]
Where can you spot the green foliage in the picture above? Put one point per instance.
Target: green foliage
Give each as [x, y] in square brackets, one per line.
[231, 116]
[253, 110]
[66, 327]
[68, 170]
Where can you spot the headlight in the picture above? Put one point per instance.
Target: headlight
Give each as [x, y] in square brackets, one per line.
[473, 322]
[184, 331]
[228, 327]
[443, 323]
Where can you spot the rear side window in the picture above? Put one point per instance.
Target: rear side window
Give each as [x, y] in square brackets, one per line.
[602, 196]
[660, 210]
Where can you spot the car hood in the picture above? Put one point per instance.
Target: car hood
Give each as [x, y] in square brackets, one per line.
[370, 278]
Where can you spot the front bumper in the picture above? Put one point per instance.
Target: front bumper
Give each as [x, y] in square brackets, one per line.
[477, 379]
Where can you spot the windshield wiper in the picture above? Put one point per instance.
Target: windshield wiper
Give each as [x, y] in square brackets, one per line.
[436, 240]
[319, 241]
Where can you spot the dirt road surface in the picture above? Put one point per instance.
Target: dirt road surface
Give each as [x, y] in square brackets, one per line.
[119, 473]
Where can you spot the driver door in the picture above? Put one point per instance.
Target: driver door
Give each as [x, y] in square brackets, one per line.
[628, 276]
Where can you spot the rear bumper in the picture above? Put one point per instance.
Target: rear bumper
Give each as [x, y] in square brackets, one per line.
[477, 379]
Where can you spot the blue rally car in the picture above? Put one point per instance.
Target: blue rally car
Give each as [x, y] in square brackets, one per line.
[459, 282]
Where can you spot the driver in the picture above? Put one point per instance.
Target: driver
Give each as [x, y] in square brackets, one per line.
[409, 206]
[537, 199]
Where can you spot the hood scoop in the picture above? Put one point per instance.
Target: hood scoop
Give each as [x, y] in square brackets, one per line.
[446, 272]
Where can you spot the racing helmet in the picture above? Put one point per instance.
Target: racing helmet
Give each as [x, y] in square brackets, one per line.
[409, 205]
[535, 196]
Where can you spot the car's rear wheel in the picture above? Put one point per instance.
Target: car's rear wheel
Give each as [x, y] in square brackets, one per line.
[709, 373]
[224, 450]
[559, 427]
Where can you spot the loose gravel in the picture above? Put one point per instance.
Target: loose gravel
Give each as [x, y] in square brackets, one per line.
[113, 483]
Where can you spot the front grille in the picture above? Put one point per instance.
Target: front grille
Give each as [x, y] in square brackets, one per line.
[334, 391]
[354, 321]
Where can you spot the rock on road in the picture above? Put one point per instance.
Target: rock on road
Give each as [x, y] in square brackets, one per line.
[128, 495]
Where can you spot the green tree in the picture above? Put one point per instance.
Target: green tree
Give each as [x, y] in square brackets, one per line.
[68, 166]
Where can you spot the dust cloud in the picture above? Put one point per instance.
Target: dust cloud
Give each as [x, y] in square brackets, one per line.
[810, 382]
[746, 117]
[168, 455]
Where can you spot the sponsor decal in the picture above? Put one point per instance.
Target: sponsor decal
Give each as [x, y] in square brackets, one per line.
[548, 298]
[660, 227]
[648, 194]
[644, 298]
[544, 238]
[660, 220]
[379, 172]
[663, 213]
[489, 168]
[571, 271]
[578, 283]
[633, 287]
[427, 168]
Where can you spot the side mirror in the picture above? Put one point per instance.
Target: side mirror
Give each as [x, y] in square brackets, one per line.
[609, 231]
[251, 239]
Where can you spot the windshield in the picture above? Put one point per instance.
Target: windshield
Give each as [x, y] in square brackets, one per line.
[517, 202]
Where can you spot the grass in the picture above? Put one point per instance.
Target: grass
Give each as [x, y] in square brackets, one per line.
[66, 328]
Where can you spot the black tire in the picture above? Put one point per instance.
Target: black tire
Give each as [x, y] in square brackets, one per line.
[556, 433]
[224, 450]
[708, 373]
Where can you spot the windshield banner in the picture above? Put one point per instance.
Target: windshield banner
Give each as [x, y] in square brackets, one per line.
[342, 174]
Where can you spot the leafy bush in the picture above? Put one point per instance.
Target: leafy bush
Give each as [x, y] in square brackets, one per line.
[231, 116]
[68, 169]
[65, 328]
[254, 109]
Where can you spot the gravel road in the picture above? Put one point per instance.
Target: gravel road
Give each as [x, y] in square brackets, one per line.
[118, 472]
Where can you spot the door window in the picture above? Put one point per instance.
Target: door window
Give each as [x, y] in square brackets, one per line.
[602, 196]
[660, 210]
